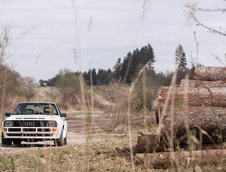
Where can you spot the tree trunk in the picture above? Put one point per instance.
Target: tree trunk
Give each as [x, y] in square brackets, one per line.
[196, 96]
[210, 73]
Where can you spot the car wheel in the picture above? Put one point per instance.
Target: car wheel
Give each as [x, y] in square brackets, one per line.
[65, 140]
[17, 142]
[60, 141]
[6, 142]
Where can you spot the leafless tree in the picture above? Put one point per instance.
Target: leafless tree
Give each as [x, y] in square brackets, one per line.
[4, 70]
[4, 44]
[29, 87]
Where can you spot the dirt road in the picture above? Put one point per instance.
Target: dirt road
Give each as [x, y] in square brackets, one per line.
[82, 128]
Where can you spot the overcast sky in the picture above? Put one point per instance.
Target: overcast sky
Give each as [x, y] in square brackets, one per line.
[49, 35]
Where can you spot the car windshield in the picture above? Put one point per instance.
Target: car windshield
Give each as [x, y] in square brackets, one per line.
[36, 108]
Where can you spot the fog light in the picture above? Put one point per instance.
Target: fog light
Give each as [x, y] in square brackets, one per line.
[54, 130]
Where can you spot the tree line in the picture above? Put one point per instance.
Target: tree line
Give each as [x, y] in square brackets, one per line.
[125, 70]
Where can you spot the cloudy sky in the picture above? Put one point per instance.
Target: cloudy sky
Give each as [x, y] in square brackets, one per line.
[49, 35]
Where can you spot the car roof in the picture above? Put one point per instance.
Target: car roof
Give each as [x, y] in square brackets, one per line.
[36, 102]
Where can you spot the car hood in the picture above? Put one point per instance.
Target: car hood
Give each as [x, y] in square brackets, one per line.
[33, 117]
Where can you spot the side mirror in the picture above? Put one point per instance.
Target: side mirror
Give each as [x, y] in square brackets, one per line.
[7, 114]
[63, 115]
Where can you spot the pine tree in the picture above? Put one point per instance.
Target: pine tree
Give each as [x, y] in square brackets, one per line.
[94, 77]
[117, 69]
[125, 71]
[181, 61]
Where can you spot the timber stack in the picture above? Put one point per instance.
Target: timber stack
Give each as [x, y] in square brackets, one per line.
[196, 109]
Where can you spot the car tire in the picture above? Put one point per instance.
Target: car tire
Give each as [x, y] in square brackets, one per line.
[60, 141]
[65, 140]
[6, 142]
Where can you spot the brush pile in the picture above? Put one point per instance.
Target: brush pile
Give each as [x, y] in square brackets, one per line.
[196, 109]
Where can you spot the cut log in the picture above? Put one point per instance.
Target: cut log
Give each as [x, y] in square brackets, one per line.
[202, 84]
[210, 73]
[183, 159]
[207, 123]
[203, 116]
[147, 143]
[196, 96]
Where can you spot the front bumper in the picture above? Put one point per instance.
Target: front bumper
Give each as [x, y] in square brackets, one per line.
[36, 133]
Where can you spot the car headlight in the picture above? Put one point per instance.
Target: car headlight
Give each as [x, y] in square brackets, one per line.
[51, 124]
[8, 124]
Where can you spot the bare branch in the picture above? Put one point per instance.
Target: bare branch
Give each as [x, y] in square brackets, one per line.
[205, 26]
[4, 43]
[218, 59]
[212, 10]
[197, 47]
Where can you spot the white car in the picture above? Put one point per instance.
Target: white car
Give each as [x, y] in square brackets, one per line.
[35, 121]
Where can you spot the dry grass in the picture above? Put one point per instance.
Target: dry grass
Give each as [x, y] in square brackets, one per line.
[109, 155]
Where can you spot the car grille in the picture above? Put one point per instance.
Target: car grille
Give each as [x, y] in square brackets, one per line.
[30, 134]
[31, 123]
[29, 128]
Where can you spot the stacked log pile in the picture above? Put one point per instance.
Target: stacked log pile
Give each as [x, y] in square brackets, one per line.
[198, 104]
